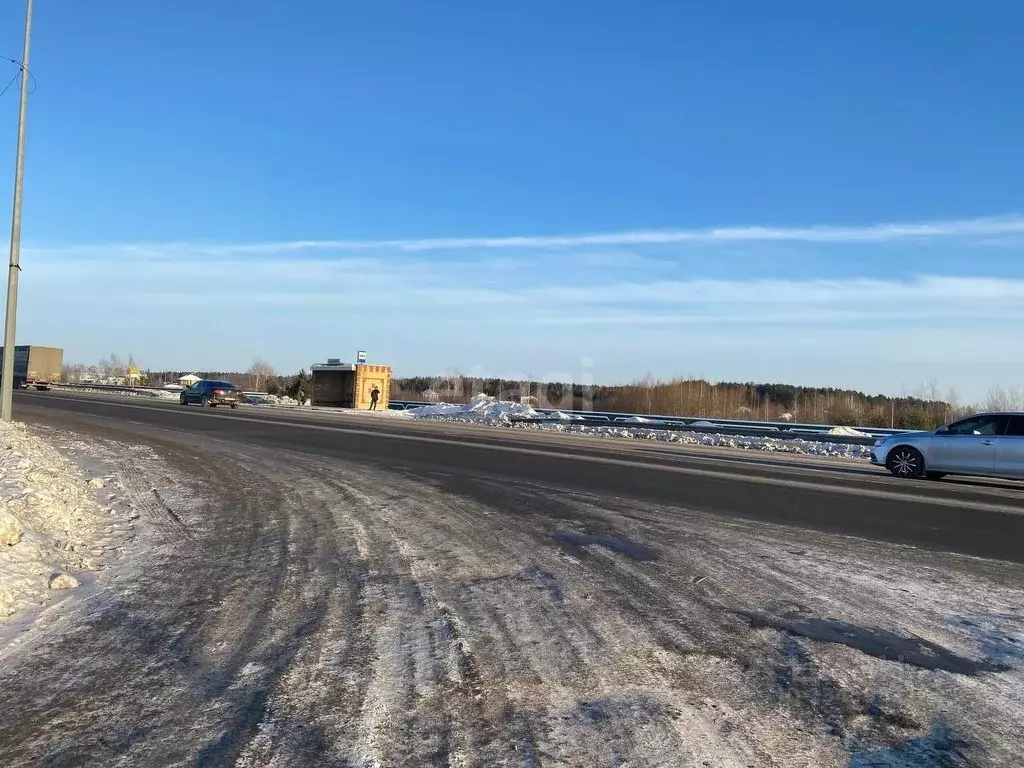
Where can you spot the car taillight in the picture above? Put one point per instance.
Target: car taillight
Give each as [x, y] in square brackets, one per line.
[218, 391]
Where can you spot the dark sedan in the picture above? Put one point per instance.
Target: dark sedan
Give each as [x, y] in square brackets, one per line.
[212, 393]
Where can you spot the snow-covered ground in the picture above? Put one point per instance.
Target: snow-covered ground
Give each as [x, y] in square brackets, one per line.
[52, 528]
[262, 398]
[387, 618]
[486, 410]
[747, 442]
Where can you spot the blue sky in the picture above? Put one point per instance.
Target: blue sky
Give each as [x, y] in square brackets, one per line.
[804, 192]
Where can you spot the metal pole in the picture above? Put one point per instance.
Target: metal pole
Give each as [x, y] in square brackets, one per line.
[7, 382]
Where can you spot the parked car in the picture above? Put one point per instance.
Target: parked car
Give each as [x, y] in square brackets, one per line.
[985, 445]
[212, 394]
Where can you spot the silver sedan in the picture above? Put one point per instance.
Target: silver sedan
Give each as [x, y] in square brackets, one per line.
[985, 445]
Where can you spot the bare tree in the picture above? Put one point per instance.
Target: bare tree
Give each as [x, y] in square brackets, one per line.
[73, 372]
[260, 372]
[1004, 399]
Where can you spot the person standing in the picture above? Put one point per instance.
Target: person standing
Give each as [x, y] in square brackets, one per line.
[374, 395]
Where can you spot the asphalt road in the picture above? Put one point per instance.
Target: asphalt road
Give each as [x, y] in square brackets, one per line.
[308, 589]
[971, 517]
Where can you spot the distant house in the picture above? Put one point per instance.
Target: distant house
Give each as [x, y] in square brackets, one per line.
[431, 396]
[188, 381]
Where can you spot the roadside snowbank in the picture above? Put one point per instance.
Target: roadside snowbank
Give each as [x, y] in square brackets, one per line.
[482, 409]
[159, 394]
[847, 432]
[48, 521]
[487, 410]
[262, 398]
[807, 447]
[560, 416]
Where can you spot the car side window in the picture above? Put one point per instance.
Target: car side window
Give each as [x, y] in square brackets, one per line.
[1015, 427]
[979, 425]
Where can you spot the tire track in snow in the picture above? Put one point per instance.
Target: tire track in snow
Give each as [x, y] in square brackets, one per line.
[329, 613]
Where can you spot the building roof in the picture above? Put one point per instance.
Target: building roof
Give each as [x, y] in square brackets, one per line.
[319, 367]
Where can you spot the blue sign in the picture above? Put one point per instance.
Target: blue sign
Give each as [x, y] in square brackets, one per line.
[360, 357]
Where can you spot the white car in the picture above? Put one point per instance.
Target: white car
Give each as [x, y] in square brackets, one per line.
[984, 445]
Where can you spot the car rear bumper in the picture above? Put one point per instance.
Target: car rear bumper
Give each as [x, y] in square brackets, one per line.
[212, 400]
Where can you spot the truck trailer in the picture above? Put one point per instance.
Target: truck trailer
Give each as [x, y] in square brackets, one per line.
[36, 367]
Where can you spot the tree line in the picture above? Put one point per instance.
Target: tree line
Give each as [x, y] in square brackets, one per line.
[924, 408]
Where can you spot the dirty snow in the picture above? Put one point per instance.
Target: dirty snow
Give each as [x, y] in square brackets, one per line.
[49, 521]
[561, 416]
[159, 394]
[298, 610]
[263, 398]
[746, 442]
[487, 410]
[638, 420]
[482, 409]
[847, 432]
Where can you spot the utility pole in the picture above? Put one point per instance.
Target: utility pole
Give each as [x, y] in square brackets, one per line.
[7, 379]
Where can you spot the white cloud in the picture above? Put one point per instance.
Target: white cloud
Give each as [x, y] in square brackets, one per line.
[426, 310]
[981, 229]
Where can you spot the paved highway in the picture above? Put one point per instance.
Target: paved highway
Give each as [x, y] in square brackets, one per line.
[981, 518]
[309, 589]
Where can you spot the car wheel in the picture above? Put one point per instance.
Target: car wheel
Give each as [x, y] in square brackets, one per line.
[934, 475]
[905, 461]
[204, 401]
[233, 406]
[182, 401]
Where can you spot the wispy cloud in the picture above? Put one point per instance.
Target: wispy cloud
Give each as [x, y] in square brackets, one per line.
[752, 302]
[794, 301]
[980, 229]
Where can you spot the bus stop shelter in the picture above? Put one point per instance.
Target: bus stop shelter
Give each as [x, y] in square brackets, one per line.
[350, 385]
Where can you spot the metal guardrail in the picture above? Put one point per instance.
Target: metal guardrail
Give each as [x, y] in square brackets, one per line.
[780, 429]
[740, 427]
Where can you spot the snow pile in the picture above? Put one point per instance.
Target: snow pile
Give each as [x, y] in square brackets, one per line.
[47, 519]
[560, 416]
[806, 447]
[160, 394]
[482, 409]
[847, 432]
[638, 420]
[262, 398]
